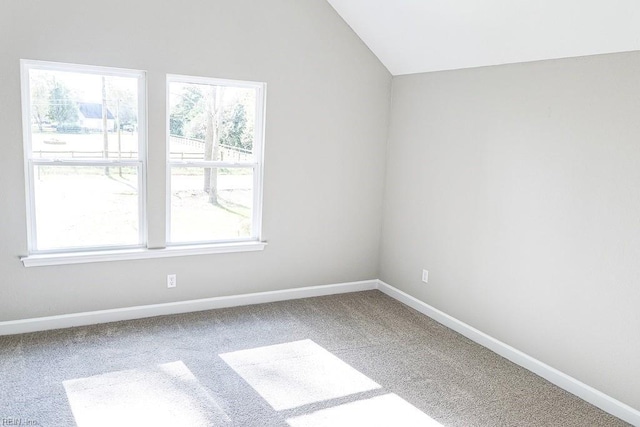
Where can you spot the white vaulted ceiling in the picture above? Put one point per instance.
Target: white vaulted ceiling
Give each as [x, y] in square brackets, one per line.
[413, 36]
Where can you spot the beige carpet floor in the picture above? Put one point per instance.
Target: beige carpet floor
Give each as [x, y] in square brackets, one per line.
[360, 359]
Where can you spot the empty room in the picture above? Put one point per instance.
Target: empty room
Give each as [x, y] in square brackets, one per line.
[399, 213]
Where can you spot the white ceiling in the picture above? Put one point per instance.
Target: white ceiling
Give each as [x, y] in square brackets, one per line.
[413, 36]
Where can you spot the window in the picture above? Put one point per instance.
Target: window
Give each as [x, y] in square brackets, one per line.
[85, 151]
[84, 142]
[214, 160]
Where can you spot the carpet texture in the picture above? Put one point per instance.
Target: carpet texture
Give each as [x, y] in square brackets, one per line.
[360, 359]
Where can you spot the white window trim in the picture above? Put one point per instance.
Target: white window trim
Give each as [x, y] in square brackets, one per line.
[257, 165]
[29, 162]
[120, 253]
[40, 260]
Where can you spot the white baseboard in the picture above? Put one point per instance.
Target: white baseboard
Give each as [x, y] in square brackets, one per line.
[104, 316]
[562, 380]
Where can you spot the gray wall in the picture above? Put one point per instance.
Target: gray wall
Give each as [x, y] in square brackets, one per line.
[325, 143]
[518, 188]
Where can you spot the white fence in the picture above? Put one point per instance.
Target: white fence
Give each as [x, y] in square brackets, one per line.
[181, 149]
[194, 149]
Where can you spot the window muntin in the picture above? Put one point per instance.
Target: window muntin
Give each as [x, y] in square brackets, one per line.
[84, 138]
[214, 152]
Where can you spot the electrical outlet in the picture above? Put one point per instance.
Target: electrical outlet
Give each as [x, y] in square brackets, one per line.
[171, 281]
[425, 276]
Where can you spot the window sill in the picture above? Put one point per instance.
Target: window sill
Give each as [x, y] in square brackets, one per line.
[143, 253]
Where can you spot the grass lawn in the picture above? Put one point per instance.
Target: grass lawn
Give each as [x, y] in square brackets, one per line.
[83, 206]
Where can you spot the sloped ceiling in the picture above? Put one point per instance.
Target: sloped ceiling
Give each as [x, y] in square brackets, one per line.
[414, 36]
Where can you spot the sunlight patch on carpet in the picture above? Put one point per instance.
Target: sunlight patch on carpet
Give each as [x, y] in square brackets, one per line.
[163, 395]
[382, 411]
[297, 373]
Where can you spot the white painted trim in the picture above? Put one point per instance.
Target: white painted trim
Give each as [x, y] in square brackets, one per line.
[210, 164]
[89, 69]
[181, 78]
[104, 316]
[25, 84]
[40, 260]
[30, 162]
[258, 155]
[562, 380]
[128, 163]
[258, 148]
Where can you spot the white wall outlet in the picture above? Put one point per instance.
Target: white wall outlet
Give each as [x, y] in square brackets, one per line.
[171, 281]
[425, 276]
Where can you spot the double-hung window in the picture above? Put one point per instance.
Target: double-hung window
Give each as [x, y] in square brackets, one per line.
[84, 142]
[214, 160]
[85, 149]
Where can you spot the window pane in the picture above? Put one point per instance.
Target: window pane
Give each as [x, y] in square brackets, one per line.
[211, 122]
[209, 204]
[78, 206]
[68, 119]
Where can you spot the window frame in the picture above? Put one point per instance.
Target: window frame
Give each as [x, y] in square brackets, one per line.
[30, 162]
[142, 250]
[256, 165]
